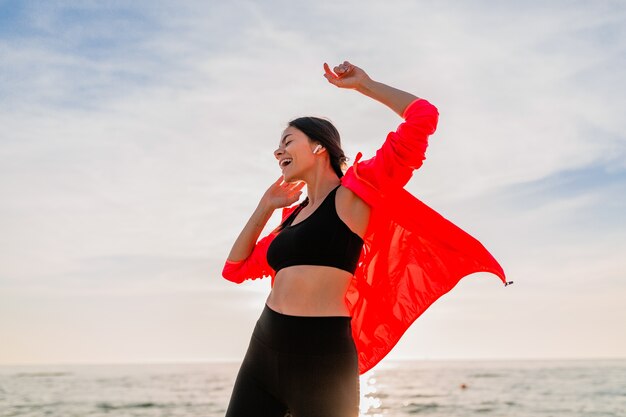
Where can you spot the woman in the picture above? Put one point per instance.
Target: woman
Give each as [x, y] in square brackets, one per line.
[352, 266]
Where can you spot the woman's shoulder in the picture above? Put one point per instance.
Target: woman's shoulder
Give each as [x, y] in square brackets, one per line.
[352, 210]
[348, 197]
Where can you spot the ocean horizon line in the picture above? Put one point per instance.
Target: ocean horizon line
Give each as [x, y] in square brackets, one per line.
[226, 361]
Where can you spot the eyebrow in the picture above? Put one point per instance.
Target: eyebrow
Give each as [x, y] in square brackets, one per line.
[283, 139]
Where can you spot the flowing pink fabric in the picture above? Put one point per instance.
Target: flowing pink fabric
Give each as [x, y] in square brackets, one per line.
[411, 254]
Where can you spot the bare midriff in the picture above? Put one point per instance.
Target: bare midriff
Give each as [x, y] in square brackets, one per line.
[310, 290]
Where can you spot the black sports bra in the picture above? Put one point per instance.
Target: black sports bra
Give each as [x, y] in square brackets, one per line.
[320, 239]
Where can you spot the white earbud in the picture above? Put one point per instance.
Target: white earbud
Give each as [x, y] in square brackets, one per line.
[317, 148]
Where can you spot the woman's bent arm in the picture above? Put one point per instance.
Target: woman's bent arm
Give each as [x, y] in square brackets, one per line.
[247, 258]
[278, 195]
[243, 246]
[403, 150]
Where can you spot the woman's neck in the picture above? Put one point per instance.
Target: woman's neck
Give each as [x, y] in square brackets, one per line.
[318, 187]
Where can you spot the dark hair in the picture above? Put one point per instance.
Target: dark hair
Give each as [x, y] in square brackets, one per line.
[323, 131]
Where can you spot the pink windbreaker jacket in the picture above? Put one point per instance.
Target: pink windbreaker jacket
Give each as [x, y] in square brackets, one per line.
[411, 254]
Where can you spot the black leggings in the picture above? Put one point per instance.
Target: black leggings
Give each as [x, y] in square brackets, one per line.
[305, 365]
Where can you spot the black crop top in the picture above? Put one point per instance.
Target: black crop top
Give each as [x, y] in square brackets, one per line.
[320, 239]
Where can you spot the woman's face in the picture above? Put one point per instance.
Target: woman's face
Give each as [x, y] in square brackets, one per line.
[294, 154]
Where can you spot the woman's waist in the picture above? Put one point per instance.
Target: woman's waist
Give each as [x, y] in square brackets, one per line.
[304, 334]
[310, 291]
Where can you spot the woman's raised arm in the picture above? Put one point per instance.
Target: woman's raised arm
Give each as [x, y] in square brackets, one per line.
[403, 150]
[350, 76]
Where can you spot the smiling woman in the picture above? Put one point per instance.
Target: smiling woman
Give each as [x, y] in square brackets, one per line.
[352, 266]
[320, 132]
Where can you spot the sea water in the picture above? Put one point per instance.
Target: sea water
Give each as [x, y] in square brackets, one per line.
[585, 388]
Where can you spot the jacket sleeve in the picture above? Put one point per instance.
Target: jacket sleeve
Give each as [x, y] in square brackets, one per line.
[403, 150]
[253, 267]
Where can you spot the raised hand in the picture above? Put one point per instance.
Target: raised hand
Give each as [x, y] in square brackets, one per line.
[346, 75]
[282, 194]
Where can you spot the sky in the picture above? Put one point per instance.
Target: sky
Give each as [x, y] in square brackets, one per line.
[137, 139]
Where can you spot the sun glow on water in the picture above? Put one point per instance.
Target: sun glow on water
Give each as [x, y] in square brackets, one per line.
[369, 402]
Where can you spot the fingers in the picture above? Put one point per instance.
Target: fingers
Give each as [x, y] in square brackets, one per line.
[293, 193]
[296, 186]
[329, 75]
[344, 68]
[289, 186]
[328, 72]
[341, 70]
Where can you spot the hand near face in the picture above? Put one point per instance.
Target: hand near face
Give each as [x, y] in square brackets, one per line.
[283, 194]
